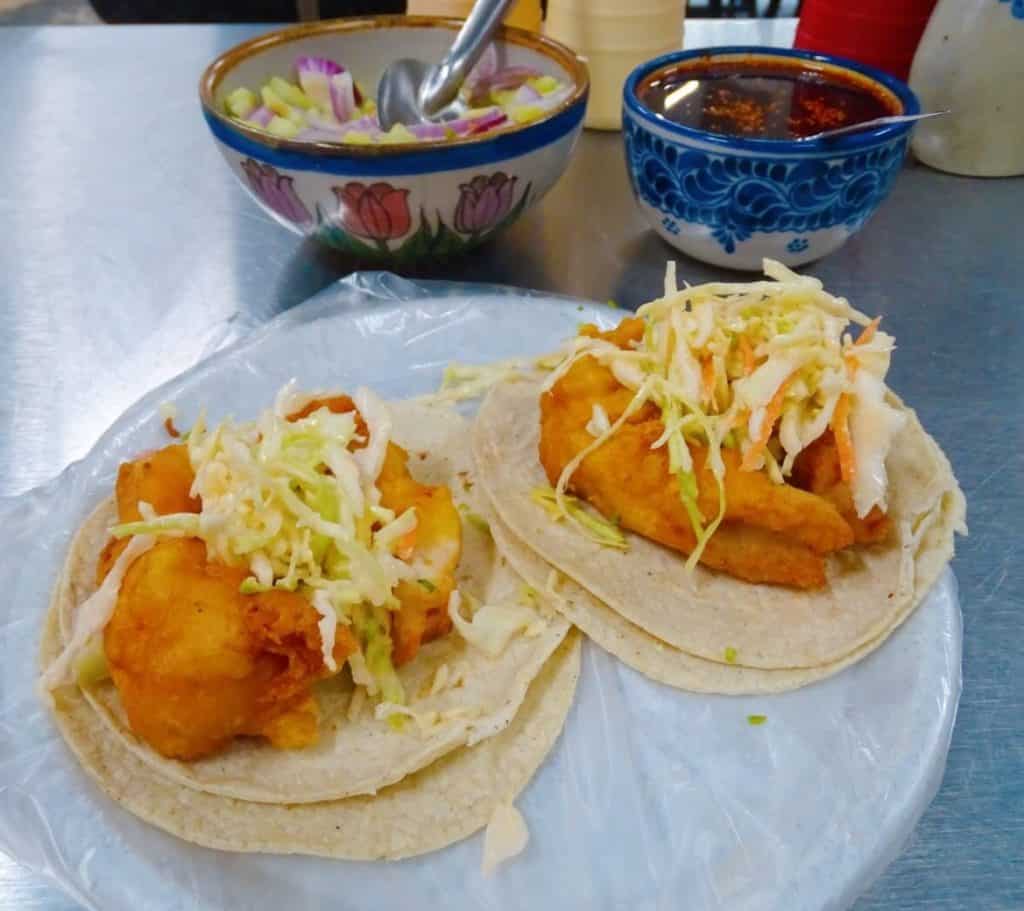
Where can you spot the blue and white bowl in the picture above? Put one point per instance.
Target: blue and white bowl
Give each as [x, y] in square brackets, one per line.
[402, 203]
[732, 201]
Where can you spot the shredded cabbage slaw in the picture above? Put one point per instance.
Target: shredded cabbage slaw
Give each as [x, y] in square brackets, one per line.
[292, 502]
[92, 615]
[492, 626]
[464, 382]
[764, 367]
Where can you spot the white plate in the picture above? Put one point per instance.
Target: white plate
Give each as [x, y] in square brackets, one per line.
[653, 798]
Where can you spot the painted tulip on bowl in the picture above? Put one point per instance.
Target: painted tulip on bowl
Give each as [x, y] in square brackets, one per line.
[376, 222]
[484, 202]
[377, 211]
[277, 192]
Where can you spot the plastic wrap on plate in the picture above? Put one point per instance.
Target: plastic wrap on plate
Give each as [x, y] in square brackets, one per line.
[653, 798]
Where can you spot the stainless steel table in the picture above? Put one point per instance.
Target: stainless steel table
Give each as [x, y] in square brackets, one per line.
[128, 251]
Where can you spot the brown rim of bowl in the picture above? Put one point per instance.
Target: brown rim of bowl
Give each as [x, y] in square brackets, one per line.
[214, 74]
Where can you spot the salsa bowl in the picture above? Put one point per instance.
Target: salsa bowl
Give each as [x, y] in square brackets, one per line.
[732, 200]
[405, 202]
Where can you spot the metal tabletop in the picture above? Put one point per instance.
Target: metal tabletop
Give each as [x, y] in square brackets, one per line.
[127, 252]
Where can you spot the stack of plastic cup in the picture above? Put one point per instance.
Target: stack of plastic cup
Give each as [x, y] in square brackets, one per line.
[615, 36]
[880, 33]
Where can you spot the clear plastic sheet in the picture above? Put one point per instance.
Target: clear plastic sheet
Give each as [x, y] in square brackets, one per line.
[652, 798]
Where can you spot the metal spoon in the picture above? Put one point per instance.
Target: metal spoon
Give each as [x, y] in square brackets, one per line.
[412, 91]
[871, 124]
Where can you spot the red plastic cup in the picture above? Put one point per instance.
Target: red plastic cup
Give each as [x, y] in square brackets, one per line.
[880, 33]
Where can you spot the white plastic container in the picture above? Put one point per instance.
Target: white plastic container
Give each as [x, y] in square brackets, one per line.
[971, 62]
[615, 36]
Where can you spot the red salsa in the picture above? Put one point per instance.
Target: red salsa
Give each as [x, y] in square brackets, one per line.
[764, 97]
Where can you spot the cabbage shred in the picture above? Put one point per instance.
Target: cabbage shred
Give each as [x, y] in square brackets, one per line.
[292, 502]
[722, 359]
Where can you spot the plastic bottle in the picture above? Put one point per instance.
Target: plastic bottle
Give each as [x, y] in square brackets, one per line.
[615, 36]
[971, 63]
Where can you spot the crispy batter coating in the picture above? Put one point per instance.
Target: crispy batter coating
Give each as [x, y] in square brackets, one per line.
[197, 663]
[817, 469]
[435, 550]
[163, 479]
[435, 547]
[771, 533]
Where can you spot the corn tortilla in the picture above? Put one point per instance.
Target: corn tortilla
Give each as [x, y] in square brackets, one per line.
[870, 589]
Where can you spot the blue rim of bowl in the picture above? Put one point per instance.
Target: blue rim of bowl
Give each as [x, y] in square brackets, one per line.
[851, 142]
[413, 160]
[396, 158]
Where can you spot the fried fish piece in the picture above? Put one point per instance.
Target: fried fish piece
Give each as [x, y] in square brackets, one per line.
[817, 469]
[434, 550]
[434, 547]
[197, 663]
[772, 533]
[164, 480]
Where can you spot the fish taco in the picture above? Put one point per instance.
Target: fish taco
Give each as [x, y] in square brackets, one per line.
[291, 612]
[728, 478]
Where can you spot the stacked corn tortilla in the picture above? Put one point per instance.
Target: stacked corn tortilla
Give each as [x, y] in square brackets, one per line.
[704, 631]
[366, 790]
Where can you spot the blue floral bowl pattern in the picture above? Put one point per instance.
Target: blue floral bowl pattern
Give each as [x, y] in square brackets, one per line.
[731, 201]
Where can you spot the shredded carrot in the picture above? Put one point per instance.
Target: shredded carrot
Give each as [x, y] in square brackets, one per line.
[850, 358]
[869, 332]
[707, 379]
[406, 545]
[738, 419]
[844, 443]
[771, 414]
[171, 429]
[747, 353]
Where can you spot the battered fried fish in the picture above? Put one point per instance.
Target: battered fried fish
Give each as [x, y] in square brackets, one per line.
[197, 663]
[771, 533]
[434, 547]
[817, 469]
[164, 480]
[435, 550]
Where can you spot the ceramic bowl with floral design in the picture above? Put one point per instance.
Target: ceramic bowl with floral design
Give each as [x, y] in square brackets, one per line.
[395, 204]
[732, 201]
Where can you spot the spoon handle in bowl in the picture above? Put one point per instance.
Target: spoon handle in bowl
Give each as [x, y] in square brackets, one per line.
[442, 84]
[872, 125]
